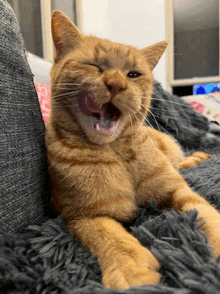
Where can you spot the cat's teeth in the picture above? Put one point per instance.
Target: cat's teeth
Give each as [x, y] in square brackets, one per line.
[97, 127]
[114, 127]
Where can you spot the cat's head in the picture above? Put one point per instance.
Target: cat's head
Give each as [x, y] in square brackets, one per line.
[99, 86]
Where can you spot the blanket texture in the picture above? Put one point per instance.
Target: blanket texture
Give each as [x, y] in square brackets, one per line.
[45, 259]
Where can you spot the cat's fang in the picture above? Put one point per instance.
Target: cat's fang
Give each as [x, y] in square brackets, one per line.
[106, 131]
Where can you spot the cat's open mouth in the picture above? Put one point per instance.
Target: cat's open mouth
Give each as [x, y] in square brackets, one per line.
[103, 118]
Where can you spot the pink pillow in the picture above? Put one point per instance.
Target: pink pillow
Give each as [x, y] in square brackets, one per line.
[198, 107]
[43, 92]
[208, 105]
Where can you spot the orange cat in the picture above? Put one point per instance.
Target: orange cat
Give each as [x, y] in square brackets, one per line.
[104, 163]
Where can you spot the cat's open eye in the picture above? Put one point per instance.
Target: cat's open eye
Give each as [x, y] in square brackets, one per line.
[134, 74]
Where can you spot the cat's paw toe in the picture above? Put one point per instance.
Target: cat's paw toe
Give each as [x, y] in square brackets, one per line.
[118, 280]
[194, 159]
[123, 277]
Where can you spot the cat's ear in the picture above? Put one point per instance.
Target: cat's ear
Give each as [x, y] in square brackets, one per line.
[154, 52]
[65, 34]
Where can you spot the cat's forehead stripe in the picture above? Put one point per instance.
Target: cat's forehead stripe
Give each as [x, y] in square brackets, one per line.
[105, 61]
[102, 55]
[99, 48]
[111, 62]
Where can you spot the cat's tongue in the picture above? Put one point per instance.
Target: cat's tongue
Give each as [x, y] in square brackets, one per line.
[87, 104]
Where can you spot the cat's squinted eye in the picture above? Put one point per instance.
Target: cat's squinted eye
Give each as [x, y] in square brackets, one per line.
[96, 66]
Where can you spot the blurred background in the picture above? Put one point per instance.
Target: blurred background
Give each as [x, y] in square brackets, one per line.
[190, 26]
[140, 22]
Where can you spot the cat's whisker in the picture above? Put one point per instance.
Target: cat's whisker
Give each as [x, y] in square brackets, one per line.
[131, 129]
[71, 89]
[171, 117]
[141, 114]
[153, 128]
[64, 88]
[67, 87]
[161, 99]
[70, 105]
[156, 96]
[161, 137]
[163, 109]
[147, 108]
[152, 139]
[157, 115]
[158, 125]
[67, 84]
[138, 123]
[172, 103]
[65, 94]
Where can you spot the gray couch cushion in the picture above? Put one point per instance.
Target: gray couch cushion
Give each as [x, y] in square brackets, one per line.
[24, 184]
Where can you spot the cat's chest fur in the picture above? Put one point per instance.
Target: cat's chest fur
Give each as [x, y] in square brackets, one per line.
[146, 156]
[139, 154]
[102, 179]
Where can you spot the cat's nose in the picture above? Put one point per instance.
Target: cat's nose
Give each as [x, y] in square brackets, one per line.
[114, 88]
[115, 82]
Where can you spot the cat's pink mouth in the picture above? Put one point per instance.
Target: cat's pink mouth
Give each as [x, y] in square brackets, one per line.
[103, 118]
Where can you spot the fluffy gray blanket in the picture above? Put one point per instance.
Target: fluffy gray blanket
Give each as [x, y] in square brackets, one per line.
[44, 258]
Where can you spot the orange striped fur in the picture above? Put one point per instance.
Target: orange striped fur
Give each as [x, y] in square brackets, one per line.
[103, 162]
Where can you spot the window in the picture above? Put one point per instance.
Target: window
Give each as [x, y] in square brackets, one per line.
[34, 18]
[192, 28]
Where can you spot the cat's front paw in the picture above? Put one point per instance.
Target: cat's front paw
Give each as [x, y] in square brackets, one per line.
[123, 277]
[214, 240]
[132, 270]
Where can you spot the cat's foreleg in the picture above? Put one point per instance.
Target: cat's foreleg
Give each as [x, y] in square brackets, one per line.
[122, 259]
[185, 199]
[167, 187]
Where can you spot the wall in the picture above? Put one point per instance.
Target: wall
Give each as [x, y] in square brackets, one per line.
[139, 23]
